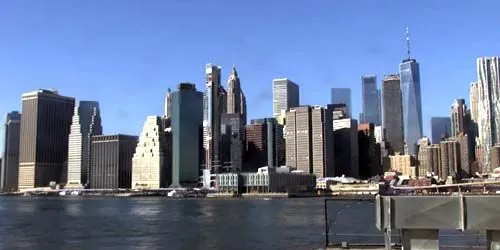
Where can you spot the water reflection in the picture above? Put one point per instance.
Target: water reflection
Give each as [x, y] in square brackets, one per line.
[74, 209]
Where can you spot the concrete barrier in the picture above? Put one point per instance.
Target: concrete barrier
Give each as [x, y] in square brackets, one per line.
[421, 217]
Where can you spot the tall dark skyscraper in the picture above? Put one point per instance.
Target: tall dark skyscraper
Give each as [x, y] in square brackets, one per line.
[371, 107]
[392, 113]
[342, 95]
[45, 128]
[10, 160]
[86, 123]
[265, 144]
[112, 161]
[233, 138]
[186, 124]
[441, 128]
[409, 71]
[214, 104]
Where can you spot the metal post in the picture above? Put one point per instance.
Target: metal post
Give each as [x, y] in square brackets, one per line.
[326, 224]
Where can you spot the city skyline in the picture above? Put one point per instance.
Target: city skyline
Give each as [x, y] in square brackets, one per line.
[153, 76]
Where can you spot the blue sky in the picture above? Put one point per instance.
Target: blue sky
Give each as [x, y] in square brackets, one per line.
[125, 54]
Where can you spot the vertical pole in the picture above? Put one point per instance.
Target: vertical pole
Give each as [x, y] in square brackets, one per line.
[326, 224]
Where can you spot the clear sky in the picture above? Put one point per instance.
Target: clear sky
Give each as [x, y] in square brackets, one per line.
[125, 54]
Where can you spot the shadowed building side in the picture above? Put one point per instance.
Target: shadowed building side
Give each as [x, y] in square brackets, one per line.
[112, 161]
[392, 113]
[86, 122]
[9, 165]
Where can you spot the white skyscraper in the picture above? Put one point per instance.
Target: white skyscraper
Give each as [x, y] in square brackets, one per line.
[488, 120]
[285, 96]
[86, 123]
[150, 162]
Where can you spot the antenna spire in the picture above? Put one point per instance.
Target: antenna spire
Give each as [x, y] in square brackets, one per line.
[408, 42]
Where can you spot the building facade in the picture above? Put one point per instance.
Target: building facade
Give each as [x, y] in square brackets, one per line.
[112, 161]
[309, 140]
[369, 151]
[236, 100]
[423, 157]
[214, 104]
[187, 139]
[459, 117]
[441, 128]
[45, 128]
[346, 150]
[342, 96]
[233, 136]
[151, 164]
[450, 159]
[405, 164]
[392, 113]
[86, 122]
[285, 96]
[298, 139]
[409, 72]
[10, 159]
[168, 104]
[371, 98]
[488, 116]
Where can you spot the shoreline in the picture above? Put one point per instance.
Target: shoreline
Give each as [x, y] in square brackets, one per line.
[207, 196]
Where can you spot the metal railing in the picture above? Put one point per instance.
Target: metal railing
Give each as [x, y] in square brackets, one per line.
[335, 234]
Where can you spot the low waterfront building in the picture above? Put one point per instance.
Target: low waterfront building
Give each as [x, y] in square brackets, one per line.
[265, 180]
[111, 165]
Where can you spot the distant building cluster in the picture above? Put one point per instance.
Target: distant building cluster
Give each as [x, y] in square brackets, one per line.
[204, 137]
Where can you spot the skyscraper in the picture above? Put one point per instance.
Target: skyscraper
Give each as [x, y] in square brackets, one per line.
[369, 152]
[474, 101]
[265, 143]
[411, 99]
[86, 122]
[392, 113]
[236, 100]
[112, 161]
[370, 93]
[309, 144]
[488, 116]
[187, 142]
[151, 161]
[346, 150]
[214, 104]
[168, 104]
[459, 117]
[342, 96]
[285, 96]
[441, 128]
[10, 159]
[233, 141]
[45, 128]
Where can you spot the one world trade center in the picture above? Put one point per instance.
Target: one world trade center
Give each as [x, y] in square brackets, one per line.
[411, 100]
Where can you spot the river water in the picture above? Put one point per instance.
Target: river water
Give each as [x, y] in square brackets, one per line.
[161, 223]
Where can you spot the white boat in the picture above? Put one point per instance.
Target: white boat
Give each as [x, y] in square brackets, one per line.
[171, 193]
[62, 193]
[74, 192]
